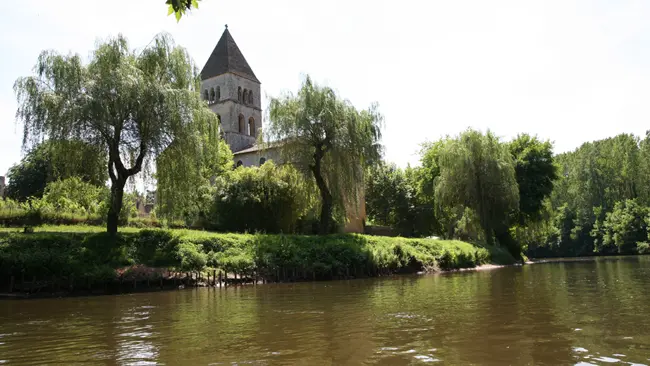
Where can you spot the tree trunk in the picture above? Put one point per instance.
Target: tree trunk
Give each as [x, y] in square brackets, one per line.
[326, 196]
[325, 212]
[117, 193]
[506, 240]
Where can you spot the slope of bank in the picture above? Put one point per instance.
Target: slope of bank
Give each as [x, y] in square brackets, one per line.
[74, 257]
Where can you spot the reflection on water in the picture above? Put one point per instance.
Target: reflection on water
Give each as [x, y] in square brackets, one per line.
[591, 312]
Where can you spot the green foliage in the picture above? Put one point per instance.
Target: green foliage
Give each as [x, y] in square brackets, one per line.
[591, 209]
[75, 196]
[55, 160]
[467, 227]
[535, 171]
[268, 199]
[392, 200]
[180, 7]
[329, 140]
[621, 229]
[70, 201]
[477, 171]
[190, 199]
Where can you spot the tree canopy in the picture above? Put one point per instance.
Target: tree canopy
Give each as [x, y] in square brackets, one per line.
[329, 140]
[536, 173]
[134, 105]
[477, 172]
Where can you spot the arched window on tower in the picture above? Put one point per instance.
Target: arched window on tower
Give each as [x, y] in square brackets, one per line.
[218, 93]
[222, 133]
[250, 97]
[242, 124]
[205, 94]
[239, 163]
[245, 96]
[239, 94]
[262, 161]
[251, 126]
[211, 95]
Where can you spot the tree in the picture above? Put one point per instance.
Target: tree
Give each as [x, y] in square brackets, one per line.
[535, 171]
[643, 178]
[329, 140]
[180, 7]
[54, 160]
[477, 172]
[440, 220]
[392, 199]
[133, 105]
[622, 228]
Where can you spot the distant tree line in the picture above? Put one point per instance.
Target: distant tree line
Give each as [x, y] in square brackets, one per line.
[594, 200]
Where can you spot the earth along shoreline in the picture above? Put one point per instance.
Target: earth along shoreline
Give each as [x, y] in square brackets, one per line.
[176, 281]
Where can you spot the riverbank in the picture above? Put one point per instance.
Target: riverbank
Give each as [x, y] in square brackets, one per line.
[81, 259]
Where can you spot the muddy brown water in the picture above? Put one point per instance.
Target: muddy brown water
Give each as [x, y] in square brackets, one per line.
[591, 312]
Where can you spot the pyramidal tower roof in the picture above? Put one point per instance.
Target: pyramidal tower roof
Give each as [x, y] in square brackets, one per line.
[226, 57]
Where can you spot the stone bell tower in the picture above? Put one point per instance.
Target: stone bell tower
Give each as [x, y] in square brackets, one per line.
[233, 93]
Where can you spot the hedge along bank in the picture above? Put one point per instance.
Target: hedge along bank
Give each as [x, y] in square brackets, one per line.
[51, 262]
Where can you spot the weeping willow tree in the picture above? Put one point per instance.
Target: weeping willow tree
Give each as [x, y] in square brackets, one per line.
[477, 172]
[134, 105]
[329, 140]
[185, 190]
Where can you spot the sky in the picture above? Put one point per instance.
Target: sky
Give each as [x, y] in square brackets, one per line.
[564, 70]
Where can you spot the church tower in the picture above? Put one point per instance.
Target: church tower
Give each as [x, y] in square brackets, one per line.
[233, 93]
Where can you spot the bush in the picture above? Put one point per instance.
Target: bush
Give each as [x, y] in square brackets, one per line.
[68, 202]
[74, 196]
[266, 199]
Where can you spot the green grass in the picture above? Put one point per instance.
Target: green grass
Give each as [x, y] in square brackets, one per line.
[86, 252]
[67, 229]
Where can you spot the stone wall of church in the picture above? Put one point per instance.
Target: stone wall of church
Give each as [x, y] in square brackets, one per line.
[253, 158]
[238, 141]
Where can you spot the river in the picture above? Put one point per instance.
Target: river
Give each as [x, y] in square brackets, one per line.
[591, 312]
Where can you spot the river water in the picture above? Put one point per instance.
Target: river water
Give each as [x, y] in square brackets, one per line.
[572, 313]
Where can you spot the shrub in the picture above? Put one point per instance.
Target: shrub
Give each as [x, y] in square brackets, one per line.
[191, 257]
[68, 202]
[75, 196]
[266, 199]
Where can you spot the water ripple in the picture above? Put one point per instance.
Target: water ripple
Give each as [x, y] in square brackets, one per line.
[541, 314]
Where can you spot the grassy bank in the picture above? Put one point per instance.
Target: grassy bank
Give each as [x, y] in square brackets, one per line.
[82, 258]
